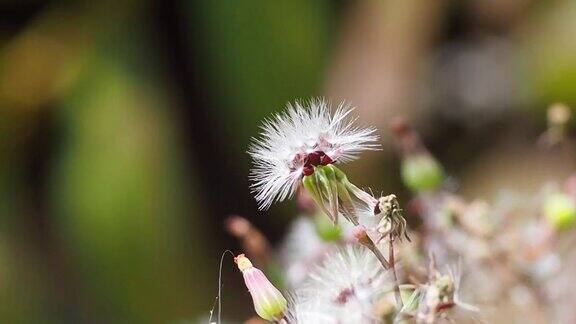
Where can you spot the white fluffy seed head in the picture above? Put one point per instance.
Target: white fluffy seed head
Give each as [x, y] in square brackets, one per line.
[344, 288]
[279, 154]
[350, 267]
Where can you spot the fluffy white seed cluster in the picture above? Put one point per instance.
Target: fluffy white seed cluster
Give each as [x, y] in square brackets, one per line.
[281, 152]
[344, 288]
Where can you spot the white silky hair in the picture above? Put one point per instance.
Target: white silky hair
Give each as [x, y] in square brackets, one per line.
[351, 269]
[300, 249]
[287, 137]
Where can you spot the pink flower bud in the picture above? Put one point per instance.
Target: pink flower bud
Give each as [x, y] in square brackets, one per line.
[268, 301]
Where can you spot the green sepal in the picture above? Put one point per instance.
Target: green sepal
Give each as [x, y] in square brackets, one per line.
[323, 180]
[340, 176]
[309, 182]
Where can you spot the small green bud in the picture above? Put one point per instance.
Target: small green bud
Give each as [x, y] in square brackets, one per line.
[421, 173]
[326, 230]
[560, 211]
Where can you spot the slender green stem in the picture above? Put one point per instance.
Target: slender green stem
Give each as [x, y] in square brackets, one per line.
[373, 248]
[392, 263]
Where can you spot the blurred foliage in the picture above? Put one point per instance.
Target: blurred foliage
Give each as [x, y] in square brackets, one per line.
[117, 192]
[257, 56]
[549, 55]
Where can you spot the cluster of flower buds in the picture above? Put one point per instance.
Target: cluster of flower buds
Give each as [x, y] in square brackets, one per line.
[440, 293]
[439, 296]
[297, 153]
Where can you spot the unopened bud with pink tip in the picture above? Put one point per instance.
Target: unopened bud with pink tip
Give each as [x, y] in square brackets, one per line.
[361, 236]
[268, 301]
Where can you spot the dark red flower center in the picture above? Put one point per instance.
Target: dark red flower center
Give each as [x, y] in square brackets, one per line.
[344, 295]
[313, 159]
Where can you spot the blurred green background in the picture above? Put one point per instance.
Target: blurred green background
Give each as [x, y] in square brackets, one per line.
[124, 126]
